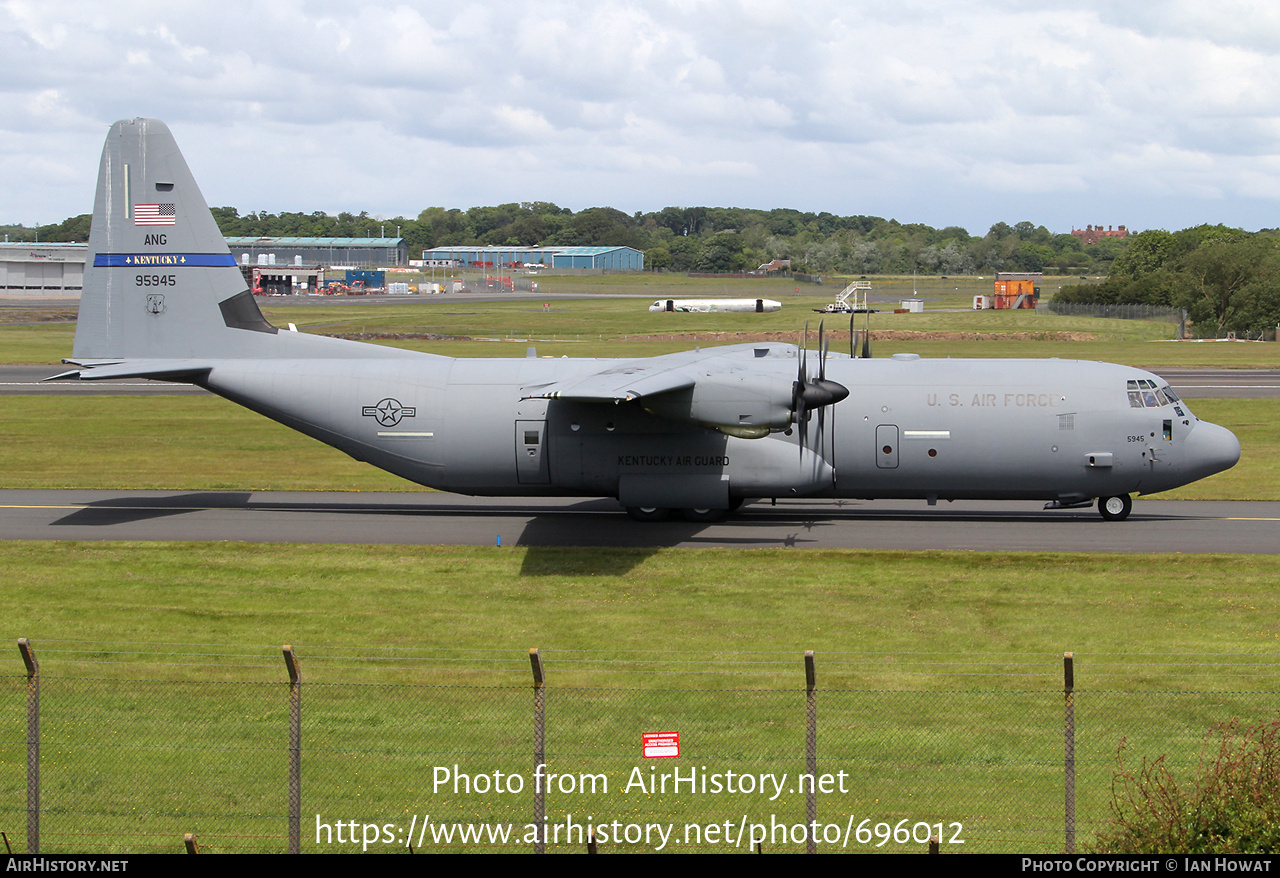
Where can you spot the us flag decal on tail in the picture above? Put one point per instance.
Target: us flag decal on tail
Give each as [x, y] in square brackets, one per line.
[154, 215]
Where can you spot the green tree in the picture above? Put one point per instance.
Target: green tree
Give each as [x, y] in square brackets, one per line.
[657, 259]
[1233, 279]
[1145, 253]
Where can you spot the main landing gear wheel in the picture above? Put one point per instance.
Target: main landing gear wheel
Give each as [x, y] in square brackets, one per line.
[703, 514]
[648, 513]
[1115, 508]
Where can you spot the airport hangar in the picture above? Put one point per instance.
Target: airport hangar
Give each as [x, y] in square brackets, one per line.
[45, 269]
[41, 269]
[54, 269]
[566, 257]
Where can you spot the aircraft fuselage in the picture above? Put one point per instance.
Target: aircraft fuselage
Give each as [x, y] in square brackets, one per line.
[911, 428]
[699, 431]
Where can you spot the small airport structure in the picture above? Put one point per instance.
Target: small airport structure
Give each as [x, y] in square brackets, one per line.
[355, 252]
[1013, 290]
[41, 269]
[586, 258]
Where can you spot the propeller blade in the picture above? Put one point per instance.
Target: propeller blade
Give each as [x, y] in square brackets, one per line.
[802, 423]
[817, 393]
[804, 356]
[822, 350]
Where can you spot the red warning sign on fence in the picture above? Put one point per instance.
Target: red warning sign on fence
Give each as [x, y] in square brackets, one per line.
[660, 745]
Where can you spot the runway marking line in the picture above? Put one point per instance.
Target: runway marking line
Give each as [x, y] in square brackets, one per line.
[308, 508]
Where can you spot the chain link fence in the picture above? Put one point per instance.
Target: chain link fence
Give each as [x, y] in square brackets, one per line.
[1159, 313]
[871, 753]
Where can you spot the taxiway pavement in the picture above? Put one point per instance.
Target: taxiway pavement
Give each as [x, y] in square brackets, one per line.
[426, 518]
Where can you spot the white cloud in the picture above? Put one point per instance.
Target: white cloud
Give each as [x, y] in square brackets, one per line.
[939, 112]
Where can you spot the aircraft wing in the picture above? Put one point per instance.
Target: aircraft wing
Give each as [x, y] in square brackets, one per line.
[651, 376]
[633, 379]
[733, 389]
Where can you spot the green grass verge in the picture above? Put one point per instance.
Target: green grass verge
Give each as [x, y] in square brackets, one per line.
[622, 326]
[616, 600]
[939, 682]
[169, 443]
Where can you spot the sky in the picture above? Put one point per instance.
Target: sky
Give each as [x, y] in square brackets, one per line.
[949, 113]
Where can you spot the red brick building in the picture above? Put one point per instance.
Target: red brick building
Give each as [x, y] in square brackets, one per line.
[1092, 235]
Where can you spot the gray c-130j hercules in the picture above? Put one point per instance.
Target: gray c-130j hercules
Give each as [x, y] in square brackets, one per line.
[697, 432]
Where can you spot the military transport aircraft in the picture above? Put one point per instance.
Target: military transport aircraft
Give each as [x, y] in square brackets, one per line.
[698, 432]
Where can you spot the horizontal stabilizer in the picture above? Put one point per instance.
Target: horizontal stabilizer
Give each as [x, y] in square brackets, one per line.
[160, 370]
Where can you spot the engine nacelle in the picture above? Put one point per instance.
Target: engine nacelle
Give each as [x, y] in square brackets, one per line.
[741, 405]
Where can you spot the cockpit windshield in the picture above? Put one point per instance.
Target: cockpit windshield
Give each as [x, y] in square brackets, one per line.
[1145, 393]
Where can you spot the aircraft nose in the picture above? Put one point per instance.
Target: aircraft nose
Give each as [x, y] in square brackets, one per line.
[1209, 449]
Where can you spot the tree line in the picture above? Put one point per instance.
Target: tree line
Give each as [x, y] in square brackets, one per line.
[688, 238]
[1226, 279]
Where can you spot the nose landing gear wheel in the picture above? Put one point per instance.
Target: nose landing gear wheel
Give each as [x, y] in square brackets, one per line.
[1115, 508]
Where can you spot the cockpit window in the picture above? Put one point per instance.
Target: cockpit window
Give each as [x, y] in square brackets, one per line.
[1144, 393]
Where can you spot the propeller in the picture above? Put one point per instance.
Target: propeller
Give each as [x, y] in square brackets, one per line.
[866, 338]
[809, 394]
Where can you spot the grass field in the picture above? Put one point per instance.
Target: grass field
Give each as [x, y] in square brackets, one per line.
[939, 681]
[939, 672]
[621, 325]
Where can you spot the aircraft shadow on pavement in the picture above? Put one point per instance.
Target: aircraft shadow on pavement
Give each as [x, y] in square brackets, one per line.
[548, 537]
[547, 531]
[127, 510]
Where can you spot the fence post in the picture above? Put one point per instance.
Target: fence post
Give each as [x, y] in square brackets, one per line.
[1069, 755]
[295, 750]
[539, 751]
[811, 750]
[33, 745]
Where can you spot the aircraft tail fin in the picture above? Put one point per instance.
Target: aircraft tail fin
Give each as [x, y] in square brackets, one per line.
[159, 279]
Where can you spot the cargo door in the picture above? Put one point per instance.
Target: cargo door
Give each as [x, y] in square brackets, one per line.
[887, 446]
